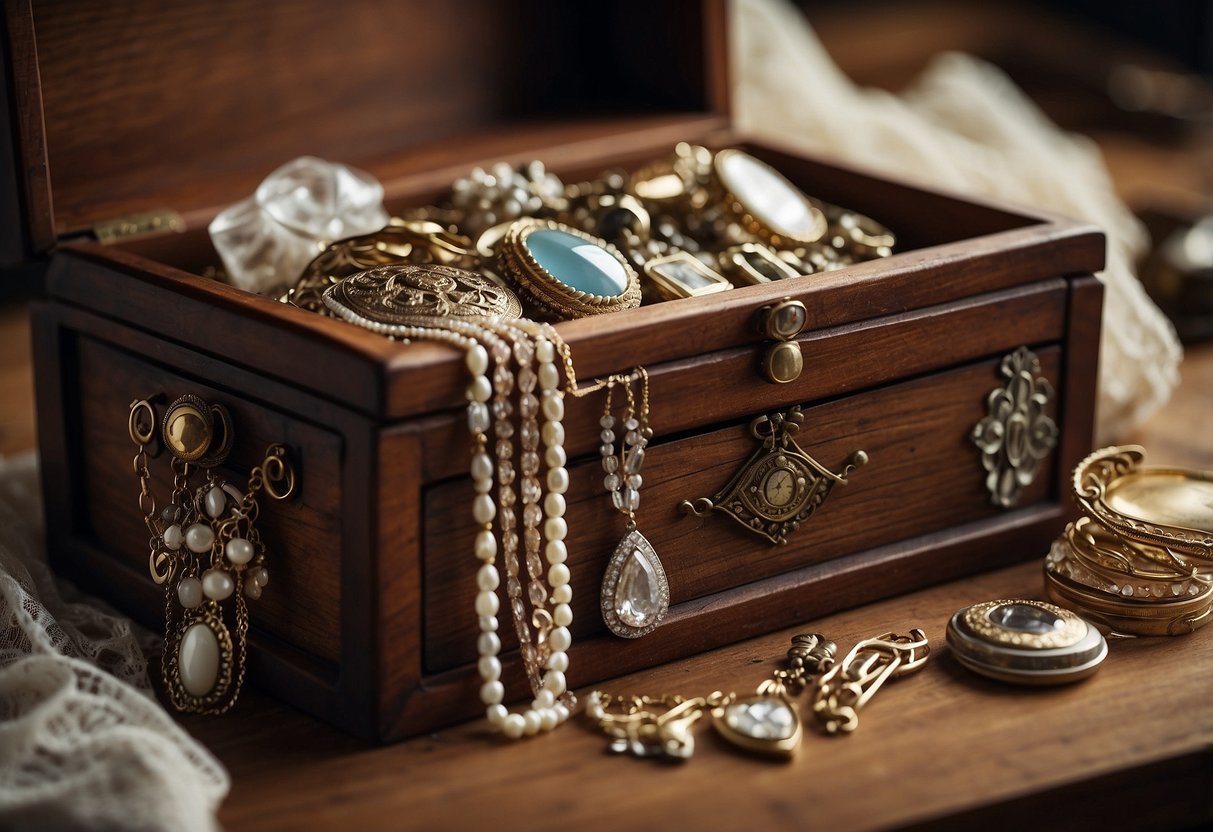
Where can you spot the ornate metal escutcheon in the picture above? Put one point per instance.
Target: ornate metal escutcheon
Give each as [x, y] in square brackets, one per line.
[1017, 434]
[780, 486]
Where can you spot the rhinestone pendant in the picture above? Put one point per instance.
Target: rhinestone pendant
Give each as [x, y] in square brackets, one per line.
[635, 594]
[766, 723]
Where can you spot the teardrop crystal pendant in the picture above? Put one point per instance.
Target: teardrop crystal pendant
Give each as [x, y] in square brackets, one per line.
[635, 593]
[765, 723]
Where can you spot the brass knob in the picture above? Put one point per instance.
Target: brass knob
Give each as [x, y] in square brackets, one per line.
[783, 362]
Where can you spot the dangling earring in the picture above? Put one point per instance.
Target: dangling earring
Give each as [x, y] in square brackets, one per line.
[635, 593]
[204, 549]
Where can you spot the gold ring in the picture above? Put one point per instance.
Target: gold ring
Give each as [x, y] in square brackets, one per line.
[141, 423]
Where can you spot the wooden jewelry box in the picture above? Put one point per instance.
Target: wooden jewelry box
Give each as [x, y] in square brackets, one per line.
[118, 109]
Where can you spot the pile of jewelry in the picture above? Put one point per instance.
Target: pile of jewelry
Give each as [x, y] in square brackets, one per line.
[691, 224]
[1140, 559]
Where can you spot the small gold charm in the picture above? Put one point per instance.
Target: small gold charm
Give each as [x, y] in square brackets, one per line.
[780, 486]
[847, 686]
[765, 723]
[647, 727]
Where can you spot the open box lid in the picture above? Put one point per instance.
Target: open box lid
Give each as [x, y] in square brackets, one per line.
[118, 108]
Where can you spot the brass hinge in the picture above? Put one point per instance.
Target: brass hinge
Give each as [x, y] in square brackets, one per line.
[142, 224]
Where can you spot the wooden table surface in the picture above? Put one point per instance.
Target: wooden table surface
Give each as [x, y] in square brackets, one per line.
[1132, 747]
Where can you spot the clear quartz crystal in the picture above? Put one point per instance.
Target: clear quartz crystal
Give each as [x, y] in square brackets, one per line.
[637, 597]
[266, 240]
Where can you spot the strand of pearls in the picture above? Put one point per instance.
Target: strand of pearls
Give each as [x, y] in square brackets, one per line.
[552, 702]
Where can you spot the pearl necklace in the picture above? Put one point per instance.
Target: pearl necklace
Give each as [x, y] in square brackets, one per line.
[490, 343]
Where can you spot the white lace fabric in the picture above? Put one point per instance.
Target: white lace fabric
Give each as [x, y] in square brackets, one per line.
[963, 126]
[83, 742]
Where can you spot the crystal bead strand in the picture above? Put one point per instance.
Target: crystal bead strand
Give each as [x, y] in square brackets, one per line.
[633, 459]
[530, 492]
[610, 462]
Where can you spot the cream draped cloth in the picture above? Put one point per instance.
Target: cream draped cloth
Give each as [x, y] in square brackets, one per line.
[965, 127]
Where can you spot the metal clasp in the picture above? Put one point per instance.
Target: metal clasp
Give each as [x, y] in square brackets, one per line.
[782, 322]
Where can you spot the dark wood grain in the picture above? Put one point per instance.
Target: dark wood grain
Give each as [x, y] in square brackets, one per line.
[838, 361]
[14, 243]
[17, 428]
[1079, 381]
[33, 226]
[126, 92]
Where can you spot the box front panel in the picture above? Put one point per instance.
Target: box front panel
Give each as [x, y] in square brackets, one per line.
[924, 476]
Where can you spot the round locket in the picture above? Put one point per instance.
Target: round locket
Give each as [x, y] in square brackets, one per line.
[1025, 642]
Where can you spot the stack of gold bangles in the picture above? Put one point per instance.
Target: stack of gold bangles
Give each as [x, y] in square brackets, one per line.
[689, 224]
[1139, 561]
